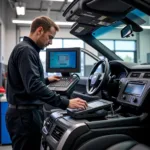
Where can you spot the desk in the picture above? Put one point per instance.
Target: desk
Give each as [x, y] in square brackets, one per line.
[4, 136]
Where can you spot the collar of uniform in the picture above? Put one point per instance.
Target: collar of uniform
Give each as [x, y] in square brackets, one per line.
[32, 43]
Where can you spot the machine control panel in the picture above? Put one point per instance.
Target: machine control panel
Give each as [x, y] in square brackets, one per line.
[133, 91]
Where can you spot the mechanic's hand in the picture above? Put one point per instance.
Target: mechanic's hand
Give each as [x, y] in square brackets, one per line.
[77, 103]
[54, 78]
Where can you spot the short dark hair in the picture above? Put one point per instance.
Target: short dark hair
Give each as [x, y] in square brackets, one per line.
[44, 22]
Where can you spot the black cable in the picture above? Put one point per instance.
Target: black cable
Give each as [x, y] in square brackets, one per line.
[76, 75]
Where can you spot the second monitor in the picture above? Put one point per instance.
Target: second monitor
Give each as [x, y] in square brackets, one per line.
[64, 60]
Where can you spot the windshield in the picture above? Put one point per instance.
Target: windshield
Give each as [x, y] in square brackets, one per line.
[132, 49]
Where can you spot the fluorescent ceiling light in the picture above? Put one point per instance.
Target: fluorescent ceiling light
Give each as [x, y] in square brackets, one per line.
[63, 23]
[22, 21]
[20, 8]
[29, 22]
[144, 27]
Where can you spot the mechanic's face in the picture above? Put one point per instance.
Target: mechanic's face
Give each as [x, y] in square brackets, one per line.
[46, 38]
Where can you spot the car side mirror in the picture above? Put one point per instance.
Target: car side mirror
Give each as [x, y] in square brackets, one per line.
[127, 31]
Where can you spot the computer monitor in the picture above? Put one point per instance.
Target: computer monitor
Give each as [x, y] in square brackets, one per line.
[64, 60]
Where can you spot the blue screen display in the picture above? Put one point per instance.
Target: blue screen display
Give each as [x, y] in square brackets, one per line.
[63, 60]
[135, 89]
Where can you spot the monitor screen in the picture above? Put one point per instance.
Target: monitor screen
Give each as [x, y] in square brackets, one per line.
[63, 60]
[134, 89]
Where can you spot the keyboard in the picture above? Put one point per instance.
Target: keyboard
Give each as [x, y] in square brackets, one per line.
[64, 84]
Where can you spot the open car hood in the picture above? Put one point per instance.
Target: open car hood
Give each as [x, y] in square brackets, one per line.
[91, 15]
[99, 13]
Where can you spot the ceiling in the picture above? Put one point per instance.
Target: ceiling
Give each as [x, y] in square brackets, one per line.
[51, 8]
[42, 6]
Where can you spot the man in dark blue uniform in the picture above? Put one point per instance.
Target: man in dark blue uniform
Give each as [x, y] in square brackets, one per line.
[27, 90]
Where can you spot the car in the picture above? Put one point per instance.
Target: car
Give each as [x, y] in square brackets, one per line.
[116, 90]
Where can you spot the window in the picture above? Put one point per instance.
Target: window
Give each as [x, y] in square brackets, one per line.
[73, 43]
[56, 43]
[43, 60]
[125, 45]
[89, 63]
[125, 49]
[126, 56]
[108, 43]
[21, 39]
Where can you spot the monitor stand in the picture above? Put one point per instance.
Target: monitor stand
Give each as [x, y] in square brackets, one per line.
[65, 74]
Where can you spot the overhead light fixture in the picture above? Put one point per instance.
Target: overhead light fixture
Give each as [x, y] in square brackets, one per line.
[20, 8]
[22, 21]
[29, 22]
[64, 23]
[144, 27]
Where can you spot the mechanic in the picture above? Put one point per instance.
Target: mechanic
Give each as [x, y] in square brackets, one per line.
[27, 90]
